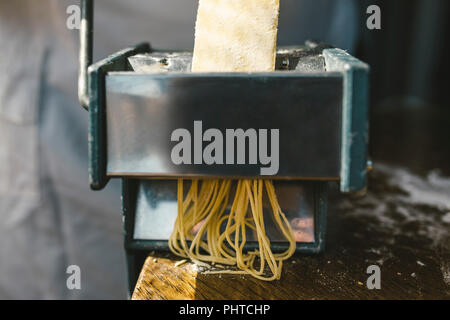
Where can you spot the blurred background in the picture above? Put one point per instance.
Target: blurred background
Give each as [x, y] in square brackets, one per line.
[408, 55]
[49, 219]
[409, 101]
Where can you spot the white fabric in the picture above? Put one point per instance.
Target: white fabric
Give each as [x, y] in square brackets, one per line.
[49, 218]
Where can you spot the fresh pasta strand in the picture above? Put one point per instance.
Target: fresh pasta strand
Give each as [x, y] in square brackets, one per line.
[219, 236]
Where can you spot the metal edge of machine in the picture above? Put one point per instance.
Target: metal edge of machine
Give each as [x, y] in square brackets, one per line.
[355, 121]
[97, 104]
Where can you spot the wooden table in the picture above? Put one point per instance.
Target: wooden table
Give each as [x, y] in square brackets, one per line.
[402, 225]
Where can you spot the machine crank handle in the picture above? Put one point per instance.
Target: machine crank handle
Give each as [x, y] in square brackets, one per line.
[86, 50]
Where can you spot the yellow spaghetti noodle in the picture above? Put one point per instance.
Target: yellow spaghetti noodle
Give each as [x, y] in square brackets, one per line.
[208, 233]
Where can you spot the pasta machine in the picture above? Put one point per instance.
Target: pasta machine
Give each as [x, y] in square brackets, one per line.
[317, 100]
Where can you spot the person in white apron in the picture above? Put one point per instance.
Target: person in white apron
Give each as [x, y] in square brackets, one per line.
[49, 217]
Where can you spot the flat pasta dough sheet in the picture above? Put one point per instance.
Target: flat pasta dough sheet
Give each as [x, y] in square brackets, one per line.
[236, 36]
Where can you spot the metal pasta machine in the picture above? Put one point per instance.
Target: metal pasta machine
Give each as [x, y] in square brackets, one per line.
[317, 101]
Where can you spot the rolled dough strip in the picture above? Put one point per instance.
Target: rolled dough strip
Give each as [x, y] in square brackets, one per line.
[236, 36]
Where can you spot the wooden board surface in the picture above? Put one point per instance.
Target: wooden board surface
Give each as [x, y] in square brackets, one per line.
[402, 226]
